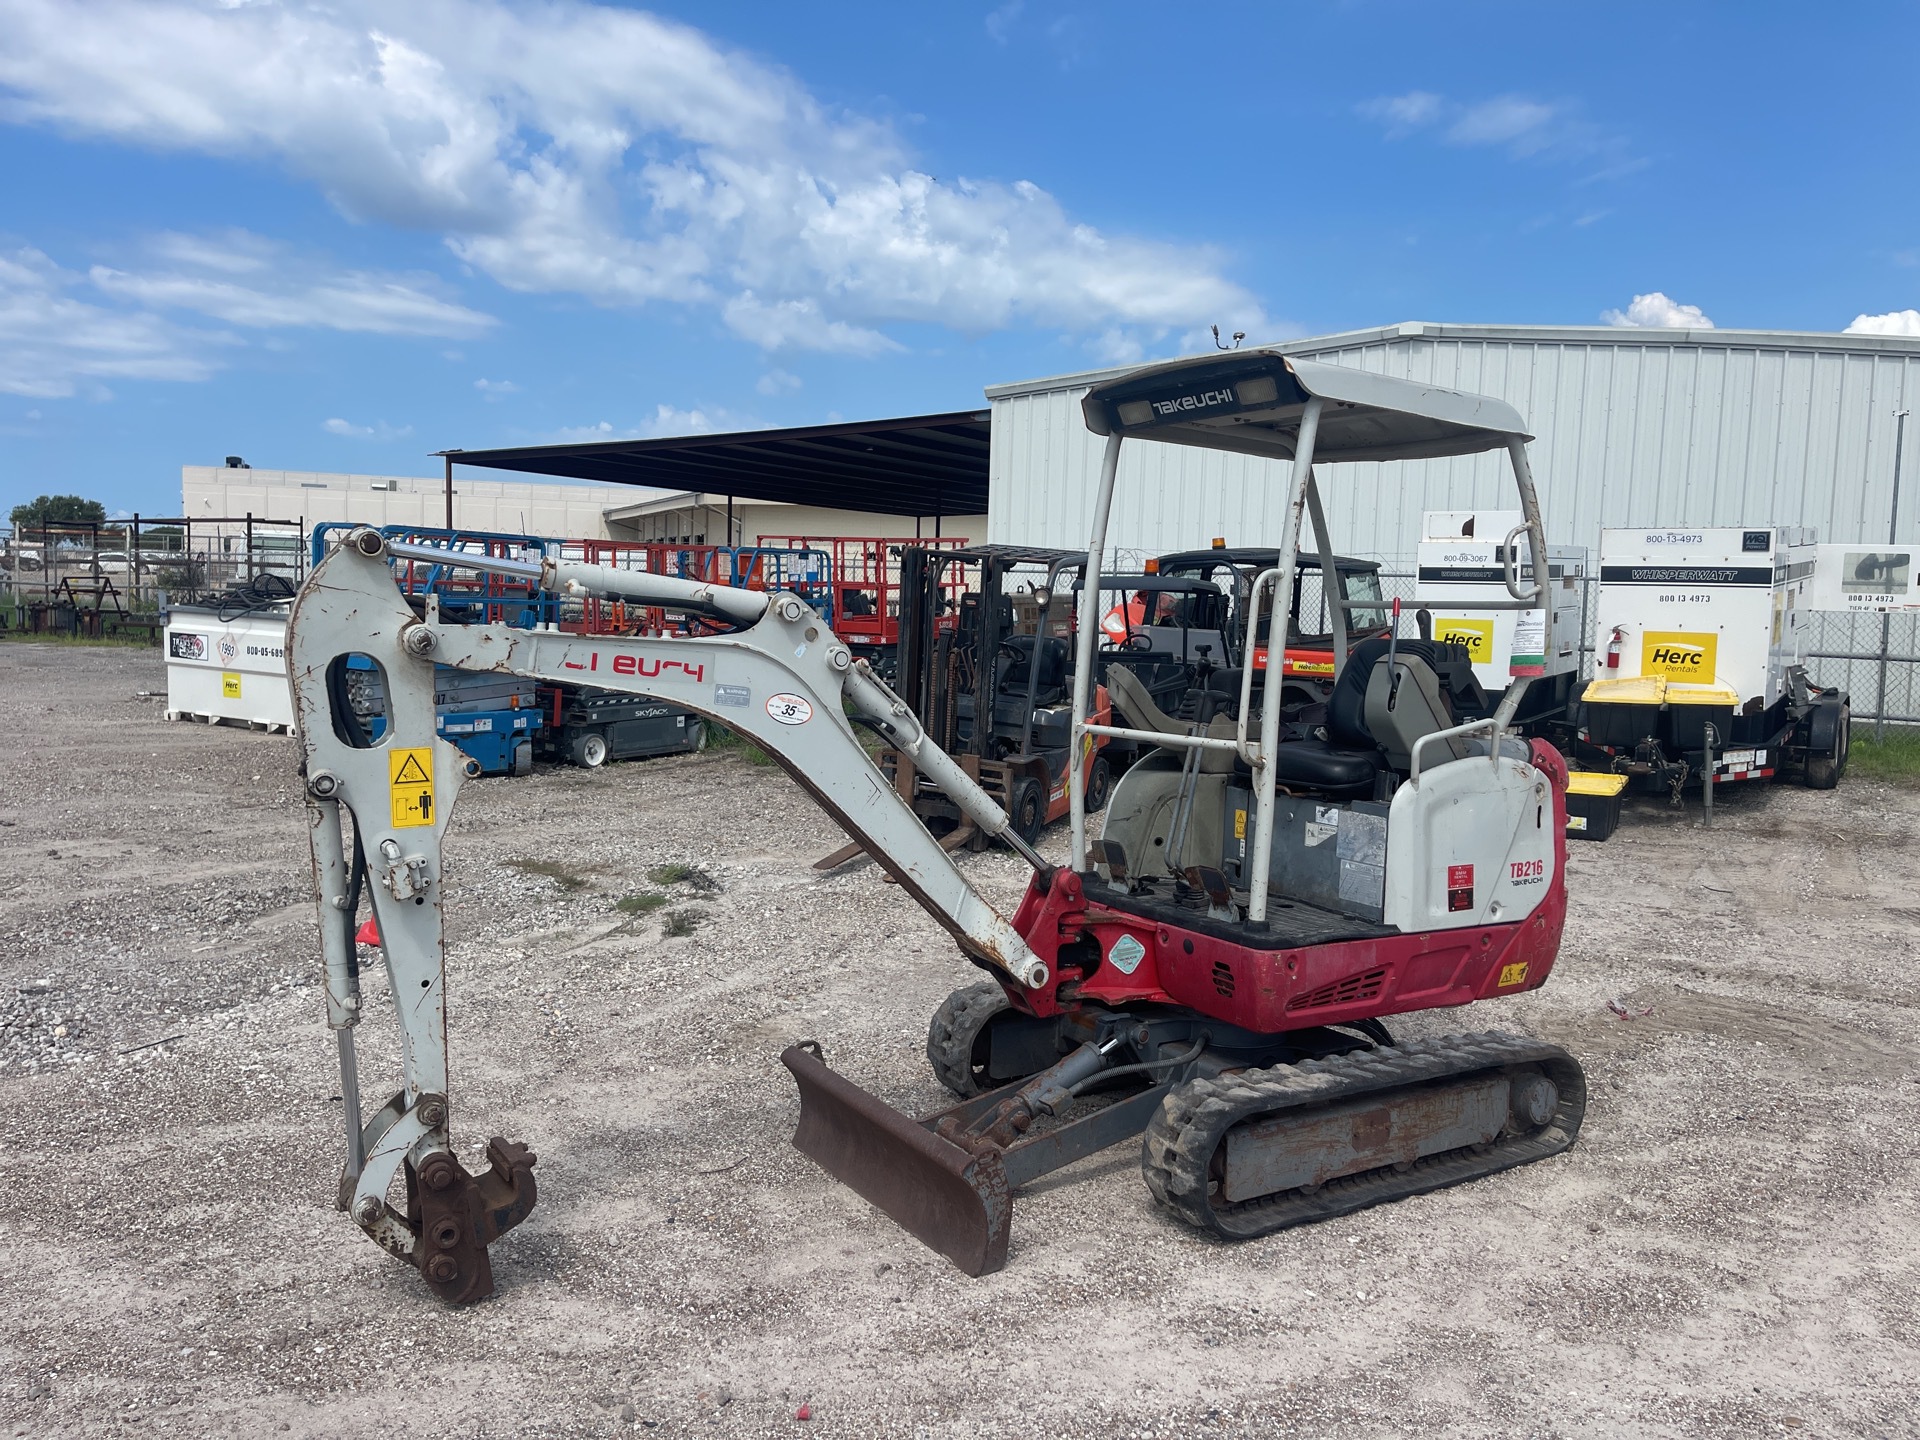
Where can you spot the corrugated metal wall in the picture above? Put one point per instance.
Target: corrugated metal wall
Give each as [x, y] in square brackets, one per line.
[1633, 428]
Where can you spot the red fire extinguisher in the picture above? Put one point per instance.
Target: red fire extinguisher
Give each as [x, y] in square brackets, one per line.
[1614, 647]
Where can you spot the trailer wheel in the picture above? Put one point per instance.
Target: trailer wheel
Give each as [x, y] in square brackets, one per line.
[1823, 772]
[588, 750]
[697, 736]
[1099, 785]
[1028, 810]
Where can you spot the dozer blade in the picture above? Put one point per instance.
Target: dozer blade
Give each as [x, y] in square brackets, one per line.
[951, 1200]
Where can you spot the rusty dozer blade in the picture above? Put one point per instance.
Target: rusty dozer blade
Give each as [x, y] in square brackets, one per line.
[952, 1200]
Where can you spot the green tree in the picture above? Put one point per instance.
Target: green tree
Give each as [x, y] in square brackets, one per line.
[58, 510]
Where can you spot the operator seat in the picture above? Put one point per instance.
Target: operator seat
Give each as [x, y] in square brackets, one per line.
[1134, 707]
[1015, 663]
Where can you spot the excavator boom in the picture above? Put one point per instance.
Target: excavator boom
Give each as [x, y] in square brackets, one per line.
[783, 680]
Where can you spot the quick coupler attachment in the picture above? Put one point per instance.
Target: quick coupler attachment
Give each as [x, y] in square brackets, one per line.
[452, 1216]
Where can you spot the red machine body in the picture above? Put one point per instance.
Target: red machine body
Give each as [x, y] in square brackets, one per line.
[1270, 991]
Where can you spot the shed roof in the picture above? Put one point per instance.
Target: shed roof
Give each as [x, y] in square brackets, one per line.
[1634, 336]
[911, 465]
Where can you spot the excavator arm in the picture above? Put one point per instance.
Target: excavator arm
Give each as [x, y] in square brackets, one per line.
[783, 680]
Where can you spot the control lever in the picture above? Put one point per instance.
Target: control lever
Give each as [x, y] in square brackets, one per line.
[1393, 647]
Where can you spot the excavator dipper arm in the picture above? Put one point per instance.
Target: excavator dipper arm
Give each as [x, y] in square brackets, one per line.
[784, 681]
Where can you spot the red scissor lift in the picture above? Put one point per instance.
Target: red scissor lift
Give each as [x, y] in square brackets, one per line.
[864, 585]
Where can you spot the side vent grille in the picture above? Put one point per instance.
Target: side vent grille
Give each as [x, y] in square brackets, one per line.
[1342, 992]
[1223, 978]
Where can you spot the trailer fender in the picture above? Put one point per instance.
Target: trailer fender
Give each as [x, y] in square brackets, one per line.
[1823, 724]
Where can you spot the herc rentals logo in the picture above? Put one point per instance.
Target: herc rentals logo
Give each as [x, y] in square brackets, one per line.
[1476, 635]
[1674, 655]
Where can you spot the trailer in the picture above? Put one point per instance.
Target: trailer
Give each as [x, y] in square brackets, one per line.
[1699, 672]
[1470, 555]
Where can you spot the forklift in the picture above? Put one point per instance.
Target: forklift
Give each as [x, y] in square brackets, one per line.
[984, 656]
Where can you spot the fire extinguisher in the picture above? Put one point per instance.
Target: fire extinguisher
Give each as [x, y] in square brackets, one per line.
[1613, 650]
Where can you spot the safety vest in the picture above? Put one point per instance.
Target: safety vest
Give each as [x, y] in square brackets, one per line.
[1120, 622]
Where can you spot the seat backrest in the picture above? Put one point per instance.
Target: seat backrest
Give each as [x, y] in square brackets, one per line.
[1137, 710]
[1016, 660]
[1130, 697]
[1347, 706]
[1404, 704]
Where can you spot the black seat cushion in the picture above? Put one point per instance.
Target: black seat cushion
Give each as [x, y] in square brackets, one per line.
[1318, 766]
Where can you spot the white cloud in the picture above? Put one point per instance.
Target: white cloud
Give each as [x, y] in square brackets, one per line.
[778, 382]
[494, 389]
[59, 328]
[1523, 126]
[248, 280]
[1000, 20]
[600, 151]
[1894, 322]
[52, 342]
[1403, 114]
[1655, 311]
[665, 420]
[800, 324]
[381, 431]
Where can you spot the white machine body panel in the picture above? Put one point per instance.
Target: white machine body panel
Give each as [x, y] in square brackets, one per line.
[1460, 559]
[1721, 604]
[1471, 842]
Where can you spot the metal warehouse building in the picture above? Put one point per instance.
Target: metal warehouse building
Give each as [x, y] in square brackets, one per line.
[1632, 427]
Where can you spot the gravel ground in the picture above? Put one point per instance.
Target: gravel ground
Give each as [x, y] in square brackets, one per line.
[1729, 1250]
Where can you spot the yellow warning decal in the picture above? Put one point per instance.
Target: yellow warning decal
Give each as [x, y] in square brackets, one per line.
[229, 685]
[1239, 824]
[410, 786]
[1513, 975]
[1476, 635]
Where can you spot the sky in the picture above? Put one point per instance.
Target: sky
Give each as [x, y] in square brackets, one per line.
[342, 236]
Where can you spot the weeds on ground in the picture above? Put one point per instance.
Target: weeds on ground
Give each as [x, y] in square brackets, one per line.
[676, 872]
[115, 640]
[682, 923]
[719, 737]
[554, 871]
[645, 903]
[1895, 757]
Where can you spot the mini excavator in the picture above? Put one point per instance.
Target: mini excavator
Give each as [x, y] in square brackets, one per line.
[1210, 974]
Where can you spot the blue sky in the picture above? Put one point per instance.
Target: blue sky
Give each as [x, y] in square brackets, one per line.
[342, 236]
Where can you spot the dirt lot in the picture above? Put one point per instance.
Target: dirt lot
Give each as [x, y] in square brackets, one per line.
[1730, 1249]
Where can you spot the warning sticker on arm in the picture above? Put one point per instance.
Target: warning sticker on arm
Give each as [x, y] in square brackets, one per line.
[410, 786]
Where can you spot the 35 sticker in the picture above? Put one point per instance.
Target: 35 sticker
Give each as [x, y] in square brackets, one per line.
[790, 709]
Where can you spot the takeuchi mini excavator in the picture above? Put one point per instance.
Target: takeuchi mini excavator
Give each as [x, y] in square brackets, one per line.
[1211, 973]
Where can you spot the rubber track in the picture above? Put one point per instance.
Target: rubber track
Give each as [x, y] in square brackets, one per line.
[953, 1029]
[1194, 1119]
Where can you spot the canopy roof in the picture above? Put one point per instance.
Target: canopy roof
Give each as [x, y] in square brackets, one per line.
[1251, 401]
[913, 465]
